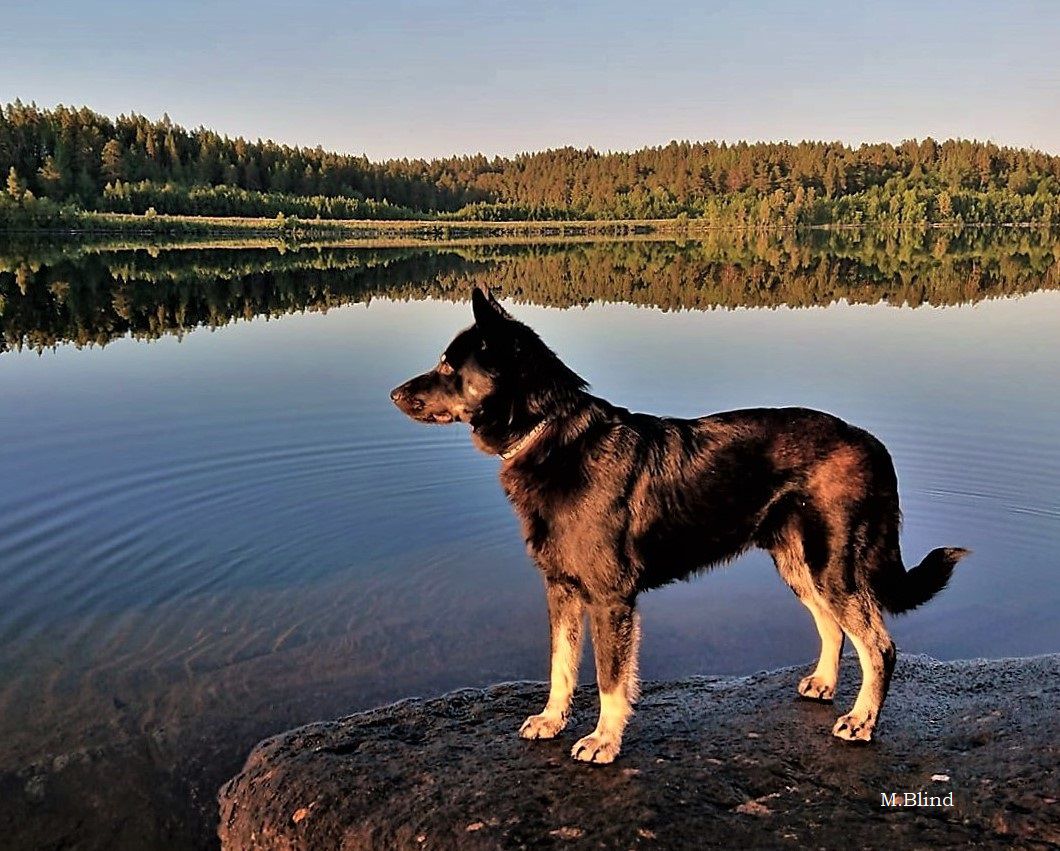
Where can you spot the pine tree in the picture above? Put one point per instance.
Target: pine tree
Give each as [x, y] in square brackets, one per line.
[50, 179]
[112, 161]
[15, 187]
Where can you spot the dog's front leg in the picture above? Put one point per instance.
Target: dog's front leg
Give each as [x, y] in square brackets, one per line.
[565, 614]
[616, 636]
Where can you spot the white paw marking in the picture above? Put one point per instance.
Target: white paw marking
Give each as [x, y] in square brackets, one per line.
[597, 747]
[855, 727]
[815, 688]
[542, 726]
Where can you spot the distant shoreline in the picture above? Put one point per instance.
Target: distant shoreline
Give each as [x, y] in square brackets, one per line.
[87, 224]
[73, 168]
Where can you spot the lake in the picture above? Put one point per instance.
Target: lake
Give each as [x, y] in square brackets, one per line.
[214, 524]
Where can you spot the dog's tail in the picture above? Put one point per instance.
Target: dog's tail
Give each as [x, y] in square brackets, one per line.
[919, 584]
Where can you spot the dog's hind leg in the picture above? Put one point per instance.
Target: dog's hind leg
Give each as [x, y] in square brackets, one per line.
[821, 684]
[616, 634]
[566, 611]
[862, 620]
[788, 548]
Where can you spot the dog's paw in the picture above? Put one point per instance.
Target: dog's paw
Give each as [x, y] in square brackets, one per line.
[596, 747]
[815, 688]
[543, 726]
[855, 727]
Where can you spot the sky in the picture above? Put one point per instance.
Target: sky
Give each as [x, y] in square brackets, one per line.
[398, 78]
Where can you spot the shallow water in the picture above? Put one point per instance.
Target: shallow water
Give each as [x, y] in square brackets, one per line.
[209, 536]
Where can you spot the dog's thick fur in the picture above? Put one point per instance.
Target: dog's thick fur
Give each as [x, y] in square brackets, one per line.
[614, 503]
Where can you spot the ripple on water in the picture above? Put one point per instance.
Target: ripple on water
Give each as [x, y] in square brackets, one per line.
[193, 525]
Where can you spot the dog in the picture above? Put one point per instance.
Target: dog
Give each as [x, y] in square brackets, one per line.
[615, 503]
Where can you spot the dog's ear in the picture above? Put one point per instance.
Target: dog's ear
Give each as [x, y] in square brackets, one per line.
[496, 305]
[490, 317]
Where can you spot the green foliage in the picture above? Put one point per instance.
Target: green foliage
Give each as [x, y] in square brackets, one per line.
[74, 153]
[82, 160]
[174, 200]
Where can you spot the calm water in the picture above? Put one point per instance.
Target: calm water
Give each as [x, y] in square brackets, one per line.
[210, 535]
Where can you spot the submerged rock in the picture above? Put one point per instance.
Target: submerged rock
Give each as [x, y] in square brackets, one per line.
[726, 762]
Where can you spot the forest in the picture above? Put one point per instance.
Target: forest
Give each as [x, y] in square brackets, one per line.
[66, 161]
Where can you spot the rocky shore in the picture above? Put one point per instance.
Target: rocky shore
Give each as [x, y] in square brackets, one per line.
[707, 762]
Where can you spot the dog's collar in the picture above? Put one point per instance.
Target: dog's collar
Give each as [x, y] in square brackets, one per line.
[524, 441]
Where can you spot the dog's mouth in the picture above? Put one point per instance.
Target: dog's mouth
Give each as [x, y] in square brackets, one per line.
[416, 409]
[440, 418]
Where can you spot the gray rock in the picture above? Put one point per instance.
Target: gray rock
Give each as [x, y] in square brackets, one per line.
[707, 762]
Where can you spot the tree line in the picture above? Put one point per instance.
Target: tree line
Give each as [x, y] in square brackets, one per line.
[77, 158]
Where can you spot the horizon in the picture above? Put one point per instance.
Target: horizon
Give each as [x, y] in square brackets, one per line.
[428, 81]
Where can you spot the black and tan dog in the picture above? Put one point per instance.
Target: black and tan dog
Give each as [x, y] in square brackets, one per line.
[614, 503]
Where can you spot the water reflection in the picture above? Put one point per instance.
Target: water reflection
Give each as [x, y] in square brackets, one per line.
[87, 294]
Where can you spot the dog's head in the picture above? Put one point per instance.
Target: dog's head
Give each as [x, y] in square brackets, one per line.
[496, 375]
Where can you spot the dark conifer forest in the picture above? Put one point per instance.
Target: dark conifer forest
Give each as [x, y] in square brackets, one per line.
[64, 160]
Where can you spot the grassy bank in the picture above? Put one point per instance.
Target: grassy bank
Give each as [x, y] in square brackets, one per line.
[81, 223]
[88, 223]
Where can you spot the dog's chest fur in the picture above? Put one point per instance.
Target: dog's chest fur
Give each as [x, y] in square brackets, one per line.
[572, 502]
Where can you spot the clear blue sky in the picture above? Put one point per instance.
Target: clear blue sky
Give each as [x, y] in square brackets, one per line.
[421, 79]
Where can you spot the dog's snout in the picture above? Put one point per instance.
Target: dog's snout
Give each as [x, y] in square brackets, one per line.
[405, 400]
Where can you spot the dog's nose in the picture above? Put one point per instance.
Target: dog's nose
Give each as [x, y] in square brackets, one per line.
[395, 394]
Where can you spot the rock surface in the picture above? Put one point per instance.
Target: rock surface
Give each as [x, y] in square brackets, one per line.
[707, 762]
